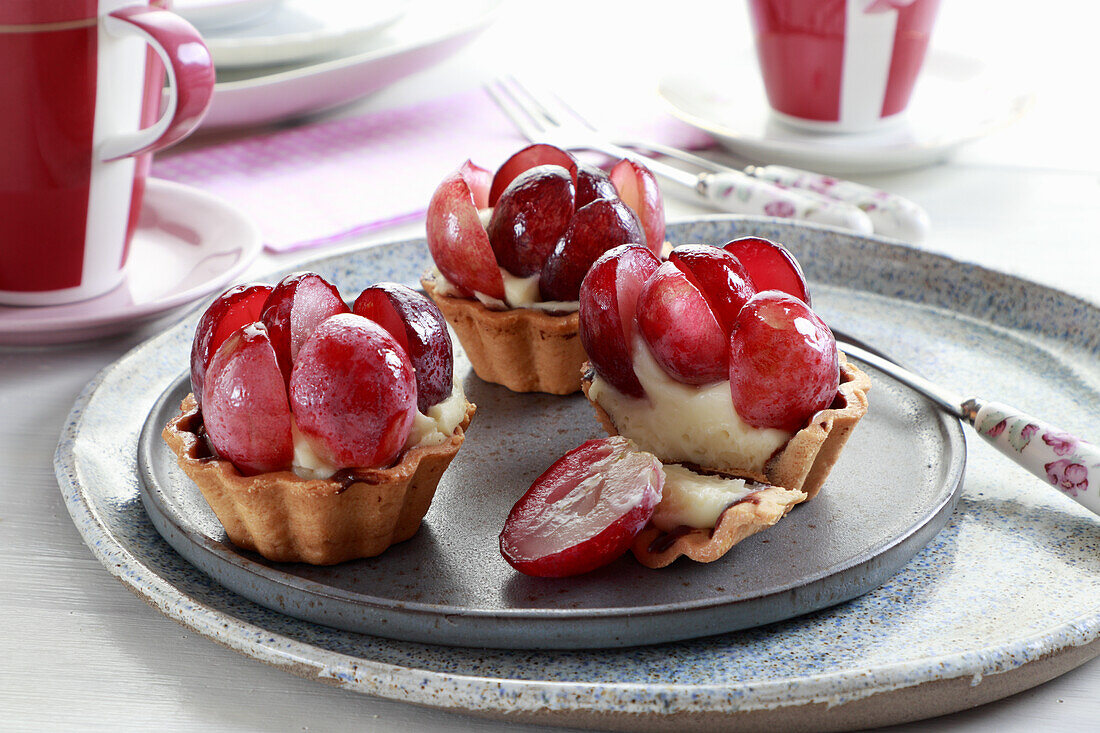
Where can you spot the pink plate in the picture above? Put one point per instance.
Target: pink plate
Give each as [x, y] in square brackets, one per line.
[187, 245]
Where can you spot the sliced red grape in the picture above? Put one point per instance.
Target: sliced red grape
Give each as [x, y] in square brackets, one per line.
[771, 266]
[720, 277]
[608, 300]
[638, 188]
[593, 183]
[584, 511]
[457, 240]
[417, 324]
[529, 157]
[594, 229]
[530, 217]
[479, 180]
[783, 363]
[353, 393]
[245, 413]
[680, 328]
[239, 305]
[297, 304]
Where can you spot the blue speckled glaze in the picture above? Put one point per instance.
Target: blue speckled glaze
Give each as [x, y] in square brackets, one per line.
[1014, 576]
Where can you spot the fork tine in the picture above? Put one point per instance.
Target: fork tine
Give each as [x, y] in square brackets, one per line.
[533, 118]
[524, 122]
[522, 96]
[535, 105]
[562, 114]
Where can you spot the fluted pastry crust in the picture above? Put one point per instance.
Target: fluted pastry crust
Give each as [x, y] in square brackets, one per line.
[524, 349]
[287, 518]
[655, 548]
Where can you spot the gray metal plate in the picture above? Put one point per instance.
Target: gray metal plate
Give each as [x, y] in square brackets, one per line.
[892, 491]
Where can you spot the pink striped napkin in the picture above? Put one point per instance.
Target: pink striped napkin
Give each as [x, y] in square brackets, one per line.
[326, 182]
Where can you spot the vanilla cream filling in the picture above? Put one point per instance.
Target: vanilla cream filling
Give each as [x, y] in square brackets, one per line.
[434, 428]
[437, 427]
[519, 292]
[684, 423]
[694, 500]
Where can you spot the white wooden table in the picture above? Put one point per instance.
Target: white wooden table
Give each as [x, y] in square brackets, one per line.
[81, 653]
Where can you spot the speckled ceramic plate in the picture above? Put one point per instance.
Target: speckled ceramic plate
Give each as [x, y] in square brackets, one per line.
[1005, 597]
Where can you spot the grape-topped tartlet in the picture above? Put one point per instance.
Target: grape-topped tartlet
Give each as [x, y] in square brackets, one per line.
[318, 432]
[512, 248]
[726, 397]
[714, 362]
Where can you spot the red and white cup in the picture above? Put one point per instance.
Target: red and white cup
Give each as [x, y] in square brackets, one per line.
[841, 65]
[80, 115]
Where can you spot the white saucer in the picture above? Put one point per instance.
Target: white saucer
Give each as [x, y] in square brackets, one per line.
[299, 30]
[210, 15]
[428, 33]
[957, 100]
[187, 245]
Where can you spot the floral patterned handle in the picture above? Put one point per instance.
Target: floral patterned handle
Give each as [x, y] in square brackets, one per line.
[742, 194]
[1063, 460]
[891, 215]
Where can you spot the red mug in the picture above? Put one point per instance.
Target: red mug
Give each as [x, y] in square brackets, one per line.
[80, 115]
[841, 65]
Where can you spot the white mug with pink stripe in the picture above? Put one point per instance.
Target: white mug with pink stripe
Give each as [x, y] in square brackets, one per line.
[841, 65]
[80, 114]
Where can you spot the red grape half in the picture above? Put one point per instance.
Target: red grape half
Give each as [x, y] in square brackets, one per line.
[638, 188]
[353, 393]
[783, 362]
[240, 305]
[530, 217]
[771, 266]
[680, 328]
[594, 229]
[297, 304]
[608, 301]
[245, 411]
[418, 325]
[584, 511]
[720, 277]
[457, 239]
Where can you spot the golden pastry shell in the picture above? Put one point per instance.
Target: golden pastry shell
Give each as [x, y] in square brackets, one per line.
[286, 518]
[524, 349]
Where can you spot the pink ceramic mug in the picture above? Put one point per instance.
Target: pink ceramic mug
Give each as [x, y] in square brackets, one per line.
[80, 114]
[841, 65]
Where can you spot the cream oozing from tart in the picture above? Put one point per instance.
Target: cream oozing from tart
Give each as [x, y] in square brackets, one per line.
[695, 500]
[519, 292]
[434, 428]
[684, 423]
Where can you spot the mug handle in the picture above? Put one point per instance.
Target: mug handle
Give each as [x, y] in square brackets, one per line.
[190, 71]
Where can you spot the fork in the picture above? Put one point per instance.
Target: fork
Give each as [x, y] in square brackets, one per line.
[728, 189]
[1058, 458]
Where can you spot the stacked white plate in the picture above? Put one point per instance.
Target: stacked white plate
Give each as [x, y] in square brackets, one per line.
[278, 59]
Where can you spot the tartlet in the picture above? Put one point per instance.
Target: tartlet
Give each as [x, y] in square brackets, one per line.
[523, 349]
[511, 248]
[318, 432]
[804, 462]
[794, 474]
[355, 514]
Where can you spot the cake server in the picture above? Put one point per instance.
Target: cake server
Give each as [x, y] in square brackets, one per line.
[1060, 459]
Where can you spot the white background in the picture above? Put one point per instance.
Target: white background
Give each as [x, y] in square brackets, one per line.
[81, 652]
